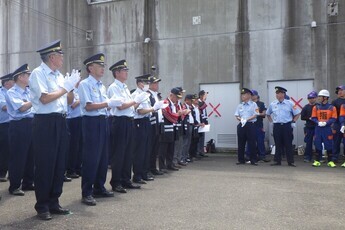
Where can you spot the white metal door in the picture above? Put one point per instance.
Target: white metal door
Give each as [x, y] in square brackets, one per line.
[297, 91]
[221, 102]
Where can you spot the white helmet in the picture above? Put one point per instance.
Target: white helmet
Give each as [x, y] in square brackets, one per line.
[324, 93]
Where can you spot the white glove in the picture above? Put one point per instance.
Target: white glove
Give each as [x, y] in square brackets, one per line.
[342, 129]
[322, 123]
[141, 97]
[114, 102]
[293, 125]
[243, 122]
[71, 80]
[158, 105]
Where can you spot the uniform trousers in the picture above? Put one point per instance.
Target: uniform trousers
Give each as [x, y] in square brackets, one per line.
[187, 138]
[246, 134]
[4, 150]
[21, 160]
[154, 148]
[260, 143]
[166, 154]
[282, 135]
[121, 164]
[308, 139]
[178, 146]
[337, 138]
[74, 155]
[111, 142]
[50, 146]
[201, 143]
[141, 147]
[95, 154]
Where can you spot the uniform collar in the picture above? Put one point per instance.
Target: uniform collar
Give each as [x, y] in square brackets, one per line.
[94, 81]
[48, 70]
[120, 84]
[19, 89]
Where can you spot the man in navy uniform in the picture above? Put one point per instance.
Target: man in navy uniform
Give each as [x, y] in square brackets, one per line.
[94, 103]
[49, 90]
[123, 127]
[6, 82]
[337, 135]
[246, 114]
[284, 114]
[309, 128]
[19, 107]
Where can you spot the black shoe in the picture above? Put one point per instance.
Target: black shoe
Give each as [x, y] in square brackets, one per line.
[189, 160]
[276, 164]
[203, 155]
[119, 189]
[148, 178]
[131, 186]
[254, 163]
[177, 166]
[44, 216]
[17, 192]
[60, 211]
[292, 164]
[67, 179]
[157, 172]
[163, 171]
[172, 168]
[3, 179]
[72, 175]
[89, 200]
[240, 163]
[182, 163]
[104, 194]
[264, 160]
[139, 181]
[28, 188]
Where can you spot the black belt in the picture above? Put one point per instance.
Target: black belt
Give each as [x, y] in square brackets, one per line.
[99, 116]
[287, 123]
[124, 118]
[51, 115]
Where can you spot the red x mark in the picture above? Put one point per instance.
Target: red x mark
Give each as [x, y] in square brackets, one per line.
[214, 109]
[297, 102]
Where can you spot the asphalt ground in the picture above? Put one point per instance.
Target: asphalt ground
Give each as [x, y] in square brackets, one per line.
[212, 193]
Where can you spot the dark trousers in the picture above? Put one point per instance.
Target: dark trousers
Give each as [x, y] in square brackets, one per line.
[308, 139]
[111, 142]
[21, 160]
[246, 134]
[74, 155]
[166, 154]
[123, 148]
[282, 134]
[141, 147]
[337, 137]
[4, 150]
[193, 148]
[154, 148]
[95, 154]
[50, 146]
[260, 143]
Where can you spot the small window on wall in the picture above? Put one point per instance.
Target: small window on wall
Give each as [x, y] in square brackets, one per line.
[100, 1]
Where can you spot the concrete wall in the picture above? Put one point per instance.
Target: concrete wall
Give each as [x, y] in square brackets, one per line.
[246, 41]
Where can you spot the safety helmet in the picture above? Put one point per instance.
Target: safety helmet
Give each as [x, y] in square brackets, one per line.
[312, 94]
[324, 93]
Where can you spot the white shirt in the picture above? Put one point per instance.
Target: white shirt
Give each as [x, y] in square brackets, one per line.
[120, 90]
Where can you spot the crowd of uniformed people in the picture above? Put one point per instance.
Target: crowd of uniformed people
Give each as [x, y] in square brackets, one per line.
[69, 127]
[324, 127]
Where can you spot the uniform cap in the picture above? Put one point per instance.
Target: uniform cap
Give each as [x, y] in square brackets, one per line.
[255, 93]
[52, 47]
[312, 94]
[340, 87]
[181, 89]
[143, 78]
[154, 79]
[97, 58]
[119, 65]
[189, 96]
[7, 77]
[23, 69]
[245, 90]
[280, 89]
[202, 93]
[177, 92]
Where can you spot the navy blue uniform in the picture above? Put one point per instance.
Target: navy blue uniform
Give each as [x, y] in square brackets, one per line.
[309, 131]
[337, 135]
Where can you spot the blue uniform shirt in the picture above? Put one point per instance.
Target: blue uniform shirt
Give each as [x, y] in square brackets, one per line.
[92, 91]
[4, 117]
[44, 80]
[15, 98]
[143, 105]
[120, 90]
[76, 112]
[247, 109]
[282, 112]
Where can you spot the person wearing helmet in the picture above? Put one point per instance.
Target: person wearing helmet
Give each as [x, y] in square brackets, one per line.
[309, 127]
[337, 135]
[324, 115]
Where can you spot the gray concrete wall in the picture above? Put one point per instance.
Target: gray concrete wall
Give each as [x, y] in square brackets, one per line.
[245, 41]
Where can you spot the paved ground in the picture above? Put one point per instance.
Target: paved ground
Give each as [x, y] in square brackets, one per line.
[213, 193]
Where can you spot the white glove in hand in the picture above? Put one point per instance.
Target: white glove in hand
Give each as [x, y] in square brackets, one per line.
[322, 124]
[243, 122]
[71, 80]
[342, 129]
[293, 125]
[141, 97]
[114, 102]
[158, 105]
